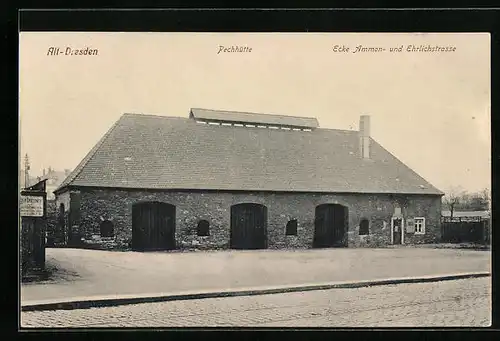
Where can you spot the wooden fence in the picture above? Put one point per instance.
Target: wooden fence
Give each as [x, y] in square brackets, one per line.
[465, 230]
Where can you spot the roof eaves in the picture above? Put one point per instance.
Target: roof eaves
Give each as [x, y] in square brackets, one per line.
[267, 190]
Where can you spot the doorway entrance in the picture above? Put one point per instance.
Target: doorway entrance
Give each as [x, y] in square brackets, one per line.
[248, 226]
[397, 231]
[153, 226]
[330, 225]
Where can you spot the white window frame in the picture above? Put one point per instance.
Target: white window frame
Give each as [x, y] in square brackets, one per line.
[419, 221]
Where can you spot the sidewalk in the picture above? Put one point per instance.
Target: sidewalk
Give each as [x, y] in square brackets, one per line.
[115, 300]
[89, 273]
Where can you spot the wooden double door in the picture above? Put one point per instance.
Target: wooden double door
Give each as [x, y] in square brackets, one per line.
[330, 225]
[248, 226]
[153, 226]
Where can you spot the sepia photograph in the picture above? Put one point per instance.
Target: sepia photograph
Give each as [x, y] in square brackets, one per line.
[286, 180]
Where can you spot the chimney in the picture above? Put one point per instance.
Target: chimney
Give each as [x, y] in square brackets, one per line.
[364, 136]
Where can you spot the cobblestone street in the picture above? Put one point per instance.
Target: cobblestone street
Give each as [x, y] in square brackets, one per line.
[448, 303]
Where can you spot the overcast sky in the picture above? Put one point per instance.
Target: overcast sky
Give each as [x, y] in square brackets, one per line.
[431, 110]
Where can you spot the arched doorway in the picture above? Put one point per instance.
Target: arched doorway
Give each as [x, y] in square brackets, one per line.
[330, 225]
[248, 226]
[153, 226]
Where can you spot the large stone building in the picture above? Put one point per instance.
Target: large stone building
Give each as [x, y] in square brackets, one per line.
[244, 181]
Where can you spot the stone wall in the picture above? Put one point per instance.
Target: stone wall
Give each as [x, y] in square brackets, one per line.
[98, 205]
[63, 199]
[431, 211]
[52, 226]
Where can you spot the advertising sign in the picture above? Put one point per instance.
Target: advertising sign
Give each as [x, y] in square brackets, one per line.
[31, 206]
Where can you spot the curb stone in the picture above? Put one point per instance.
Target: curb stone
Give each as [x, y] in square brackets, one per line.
[100, 301]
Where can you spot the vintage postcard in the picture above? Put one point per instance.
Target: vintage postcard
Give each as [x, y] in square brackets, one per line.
[254, 179]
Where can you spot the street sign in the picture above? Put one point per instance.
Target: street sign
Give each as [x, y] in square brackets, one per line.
[31, 206]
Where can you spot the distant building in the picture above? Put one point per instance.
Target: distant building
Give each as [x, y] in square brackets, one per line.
[54, 179]
[468, 214]
[22, 181]
[244, 181]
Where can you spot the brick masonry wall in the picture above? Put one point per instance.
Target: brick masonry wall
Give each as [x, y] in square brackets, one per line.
[51, 221]
[97, 205]
[63, 198]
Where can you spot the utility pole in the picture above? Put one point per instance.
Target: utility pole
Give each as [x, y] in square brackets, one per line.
[26, 171]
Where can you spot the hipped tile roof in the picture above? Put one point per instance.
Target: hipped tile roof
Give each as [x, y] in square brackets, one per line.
[159, 152]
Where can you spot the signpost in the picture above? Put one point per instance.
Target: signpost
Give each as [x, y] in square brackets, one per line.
[33, 212]
[31, 206]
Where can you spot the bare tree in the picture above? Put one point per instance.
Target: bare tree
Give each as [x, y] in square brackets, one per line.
[453, 198]
[486, 196]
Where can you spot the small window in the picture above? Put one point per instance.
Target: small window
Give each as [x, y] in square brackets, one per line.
[203, 228]
[419, 225]
[364, 227]
[291, 228]
[107, 229]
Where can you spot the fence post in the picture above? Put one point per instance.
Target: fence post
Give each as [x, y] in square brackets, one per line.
[485, 231]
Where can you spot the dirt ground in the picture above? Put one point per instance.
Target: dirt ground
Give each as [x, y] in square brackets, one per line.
[81, 273]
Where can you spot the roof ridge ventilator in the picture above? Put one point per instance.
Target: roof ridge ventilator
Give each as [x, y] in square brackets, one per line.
[253, 120]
